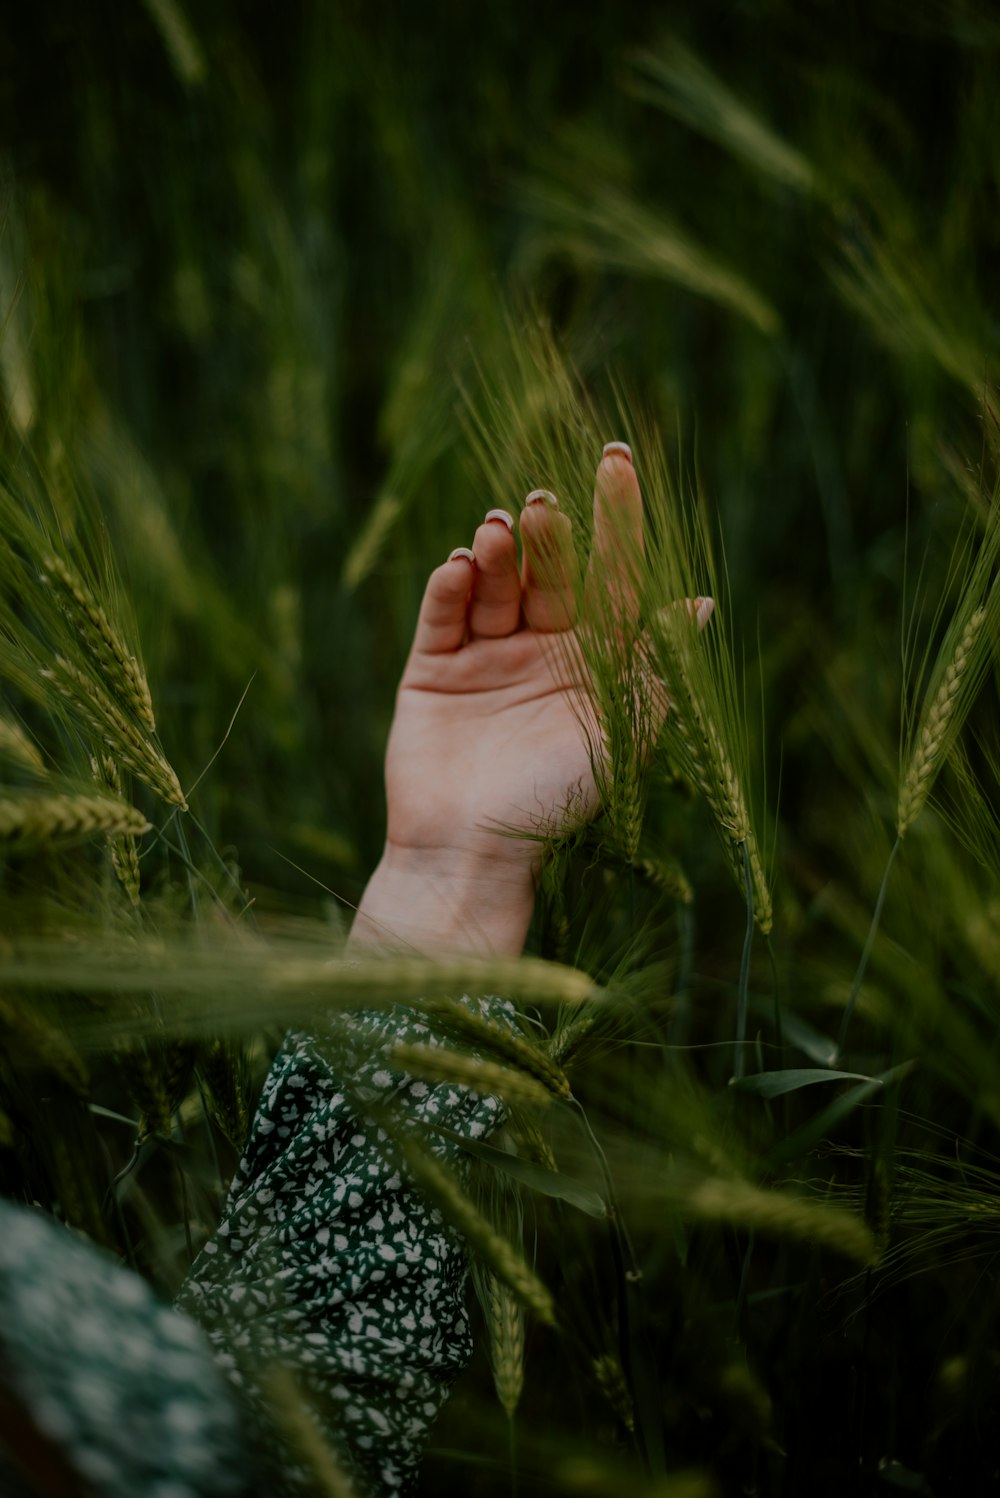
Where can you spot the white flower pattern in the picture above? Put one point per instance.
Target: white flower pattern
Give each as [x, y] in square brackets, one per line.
[330, 1262]
[327, 1261]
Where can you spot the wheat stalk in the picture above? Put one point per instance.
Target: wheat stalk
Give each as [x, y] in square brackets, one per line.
[46, 1046]
[48, 818]
[135, 751]
[156, 1080]
[436, 1063]
[716, 777]
[611, 1382]
[668, 877]
[571, 1035]
[124, 854]
[15, 745]
[290, 1410]
[531, 1144]
[144, 1086]
[707, 761]
[109, 650]
[506, 1043]
[625, 802]
[774, 1212]
[937, 727]
[225, 1088]
[496, 1251]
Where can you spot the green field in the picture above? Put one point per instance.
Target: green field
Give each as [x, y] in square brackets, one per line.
[289, 296]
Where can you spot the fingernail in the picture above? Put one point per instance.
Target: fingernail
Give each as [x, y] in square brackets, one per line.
[463, 551]
[542, 497]
[704, 611]
[508, 520]
[617, 450]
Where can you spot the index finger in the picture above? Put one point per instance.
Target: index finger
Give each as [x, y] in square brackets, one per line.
[614, 568]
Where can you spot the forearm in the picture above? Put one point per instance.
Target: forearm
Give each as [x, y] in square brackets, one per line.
[440, 902]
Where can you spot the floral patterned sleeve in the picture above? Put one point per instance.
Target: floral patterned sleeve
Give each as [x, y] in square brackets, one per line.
[330, 1263]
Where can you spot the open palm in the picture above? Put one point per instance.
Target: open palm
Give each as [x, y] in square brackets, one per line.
[491, 723]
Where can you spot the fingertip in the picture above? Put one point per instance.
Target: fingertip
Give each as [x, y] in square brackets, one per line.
[549, 568]
[494, 546]
[462, 553]
[704, 609]
[543, 524]
[617, 450]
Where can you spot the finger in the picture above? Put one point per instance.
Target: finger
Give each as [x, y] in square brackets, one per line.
[442, 621]
[548, 573]
[495, 609]
[615, 566]
[699, 610]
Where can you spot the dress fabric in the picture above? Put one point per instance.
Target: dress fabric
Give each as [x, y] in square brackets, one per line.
[328, 1263]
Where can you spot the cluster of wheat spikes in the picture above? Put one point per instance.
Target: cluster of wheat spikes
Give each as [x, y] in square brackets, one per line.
[533, 423]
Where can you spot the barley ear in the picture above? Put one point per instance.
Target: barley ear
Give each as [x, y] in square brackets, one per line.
[505, 1329]
[48, 819]
[939, 724]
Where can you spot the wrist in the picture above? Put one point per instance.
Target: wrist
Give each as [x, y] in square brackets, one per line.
[446, 901]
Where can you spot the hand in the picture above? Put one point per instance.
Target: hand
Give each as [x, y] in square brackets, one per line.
[490, 736]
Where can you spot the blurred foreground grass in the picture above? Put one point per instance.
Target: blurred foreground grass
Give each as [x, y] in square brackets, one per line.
[288, 300]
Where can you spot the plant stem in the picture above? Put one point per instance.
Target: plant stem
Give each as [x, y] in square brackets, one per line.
[866, 954]
[744, 984]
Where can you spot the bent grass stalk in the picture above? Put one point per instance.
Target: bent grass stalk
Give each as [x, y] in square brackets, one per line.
[232, 985]
[496, 1251]
[292, 1414]
[508, 1045]
[740, 1204]
[435, 1063]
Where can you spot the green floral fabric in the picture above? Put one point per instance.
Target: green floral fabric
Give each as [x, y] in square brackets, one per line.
[328, 1263]
[94, 1367]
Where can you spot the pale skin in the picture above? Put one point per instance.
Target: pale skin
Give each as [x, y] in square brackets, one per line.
[490, 724]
